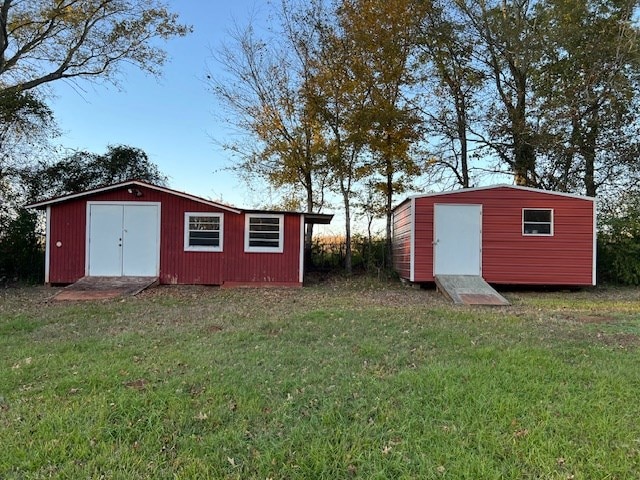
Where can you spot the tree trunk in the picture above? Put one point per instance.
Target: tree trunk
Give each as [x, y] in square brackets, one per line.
[524, 159]
[588, 151]
[308, 234]
[348, 267]
[388, 212]
[461, 124]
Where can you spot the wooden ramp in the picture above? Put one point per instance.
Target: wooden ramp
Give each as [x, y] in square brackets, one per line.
[468, 290]
[101, 288]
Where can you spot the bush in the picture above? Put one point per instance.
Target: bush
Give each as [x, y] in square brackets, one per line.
[21, 251]
[619, 240]
[368, 255]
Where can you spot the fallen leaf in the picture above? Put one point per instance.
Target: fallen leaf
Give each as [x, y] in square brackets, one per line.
[139, 384]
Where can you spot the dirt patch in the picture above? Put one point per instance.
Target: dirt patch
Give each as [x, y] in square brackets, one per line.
[620, 340]
[591, 319]
[87, 295]
[104, 288]
[139, 384]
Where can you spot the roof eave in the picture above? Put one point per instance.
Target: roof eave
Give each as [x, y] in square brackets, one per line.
[65, 198]
[492, 187]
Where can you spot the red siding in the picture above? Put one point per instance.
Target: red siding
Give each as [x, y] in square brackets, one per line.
[67, 228]
[246, 268]
[402, 239]
[508, 257]
[68, 225]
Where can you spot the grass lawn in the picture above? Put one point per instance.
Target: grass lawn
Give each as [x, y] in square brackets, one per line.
[347, 379]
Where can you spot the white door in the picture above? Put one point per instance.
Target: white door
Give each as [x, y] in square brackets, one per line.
[105, 240]
[123, 240]
[140, 241]
[457, 239]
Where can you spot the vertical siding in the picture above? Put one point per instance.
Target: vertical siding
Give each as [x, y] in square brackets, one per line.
[68, 225]
[402, 239]
[67, 228]
[423, 242]
[176, 265]
[566, 258]
[263, 268]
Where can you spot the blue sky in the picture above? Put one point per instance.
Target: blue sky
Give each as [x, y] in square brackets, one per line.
[171, 118]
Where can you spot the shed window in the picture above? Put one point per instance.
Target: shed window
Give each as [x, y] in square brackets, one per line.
[264, 233]
[203, 232]
[537, 221]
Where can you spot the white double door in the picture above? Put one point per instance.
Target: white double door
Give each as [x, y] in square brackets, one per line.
[123, 239]
[457, 242]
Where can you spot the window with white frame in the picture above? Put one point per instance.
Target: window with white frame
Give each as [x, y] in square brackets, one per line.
[203, 232]
[264, 233]
[537, 221]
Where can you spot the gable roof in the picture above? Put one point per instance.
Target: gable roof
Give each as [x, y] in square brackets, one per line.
[316, 218]
[493, 187]
[131, 183]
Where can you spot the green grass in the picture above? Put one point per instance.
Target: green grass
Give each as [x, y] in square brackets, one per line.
[342, 380]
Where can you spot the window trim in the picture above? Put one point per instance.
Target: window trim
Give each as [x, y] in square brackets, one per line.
[203, 248]
[247, 233]
[550, 223]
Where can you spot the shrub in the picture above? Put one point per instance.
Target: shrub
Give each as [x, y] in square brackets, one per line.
[619, 240]
[368, 254]
[21, 251]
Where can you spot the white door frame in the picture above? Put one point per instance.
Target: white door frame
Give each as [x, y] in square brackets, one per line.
[469, 237]
[123, 204]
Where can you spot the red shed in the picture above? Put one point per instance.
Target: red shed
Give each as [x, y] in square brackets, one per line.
[506, 234]
[138, 229]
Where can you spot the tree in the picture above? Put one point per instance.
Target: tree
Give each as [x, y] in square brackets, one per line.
[455, 79]
[587, 86]
[84, 171]
[619, 238]
[21, 253]
[338, 101]
[266, 90]
[507, 49]
[25, 126]
[46, 41]
[382, 37]
[42, 42]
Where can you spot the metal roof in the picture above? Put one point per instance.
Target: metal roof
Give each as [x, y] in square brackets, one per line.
[316, 218]
[493, 187]
[131, 183]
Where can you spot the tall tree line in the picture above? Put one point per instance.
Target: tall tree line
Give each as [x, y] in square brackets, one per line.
[388, 95]
[44, 42]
